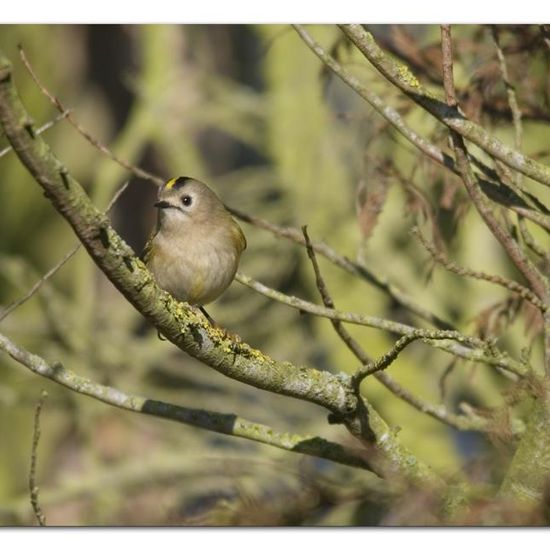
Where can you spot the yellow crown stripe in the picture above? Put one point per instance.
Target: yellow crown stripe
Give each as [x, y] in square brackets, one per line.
[171, 183]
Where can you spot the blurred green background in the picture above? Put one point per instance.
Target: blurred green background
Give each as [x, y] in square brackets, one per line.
[250, 110]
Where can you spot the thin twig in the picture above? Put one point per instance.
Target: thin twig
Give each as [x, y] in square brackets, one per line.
[344, 335]
[385, 361]
[138, 172]
[529, 240]
[38, 285]
[439, 412]
[518, 137]
[33, 488]
[534, 216]
[443, 379]
[353, 318]
[388, 358]
[451, 266]
[510, 91]
[43, 128]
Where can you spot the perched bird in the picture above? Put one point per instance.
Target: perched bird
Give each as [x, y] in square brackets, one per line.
[194, 252]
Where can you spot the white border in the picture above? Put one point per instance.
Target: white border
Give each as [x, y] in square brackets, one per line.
[254, 538]
[274, 11]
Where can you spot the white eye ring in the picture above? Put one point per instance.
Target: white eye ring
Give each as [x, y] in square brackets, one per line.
[186, 200]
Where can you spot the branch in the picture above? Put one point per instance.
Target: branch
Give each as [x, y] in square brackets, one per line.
[138, 172]
[228, 424]
[401, 77]
[501, 194]
[33, 488]
[38, 285]
[528, 472]
[476, 354]
[527, 476]
[41, 130]
[395, 293]
[438, 412]
[510, 91]
[354, 268]
[515, 253]
[389, 113]
[177, 321]
[451, 266]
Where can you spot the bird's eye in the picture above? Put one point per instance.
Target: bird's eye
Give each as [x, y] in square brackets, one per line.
[186, 200]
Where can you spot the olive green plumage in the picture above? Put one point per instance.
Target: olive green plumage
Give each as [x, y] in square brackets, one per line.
[195, 250]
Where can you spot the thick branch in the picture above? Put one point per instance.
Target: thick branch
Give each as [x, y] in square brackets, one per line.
[528, 474]
[177, 321]
[228, 424]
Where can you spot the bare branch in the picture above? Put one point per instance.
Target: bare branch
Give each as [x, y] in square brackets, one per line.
[426, 147]
[138, 172]
[510, 90]
[438, 412]
[389, 113]
[529, 240]
[177, 321]
[33, 488]
[451, 266]
[40, 130]
[476, 353]
[354, 268]
[38, 285]
[228, 424]
[516, 254]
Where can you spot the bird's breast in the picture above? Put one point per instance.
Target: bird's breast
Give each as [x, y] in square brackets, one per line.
[194, 270]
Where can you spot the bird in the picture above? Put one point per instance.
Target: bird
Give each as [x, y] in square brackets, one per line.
[195, 249]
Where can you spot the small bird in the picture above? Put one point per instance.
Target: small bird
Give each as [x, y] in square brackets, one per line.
[195, 250]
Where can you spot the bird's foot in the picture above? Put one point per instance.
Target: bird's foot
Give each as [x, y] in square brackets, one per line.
[225, 333]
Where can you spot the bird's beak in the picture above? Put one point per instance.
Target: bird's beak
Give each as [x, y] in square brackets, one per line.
[162, 204]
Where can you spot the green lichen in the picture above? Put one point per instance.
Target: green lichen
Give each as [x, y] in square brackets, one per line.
[408, 77]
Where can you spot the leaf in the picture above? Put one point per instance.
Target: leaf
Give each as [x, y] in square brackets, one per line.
[369, 205]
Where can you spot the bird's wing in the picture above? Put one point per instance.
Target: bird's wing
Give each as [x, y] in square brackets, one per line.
[148, 248]
[240, 236]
